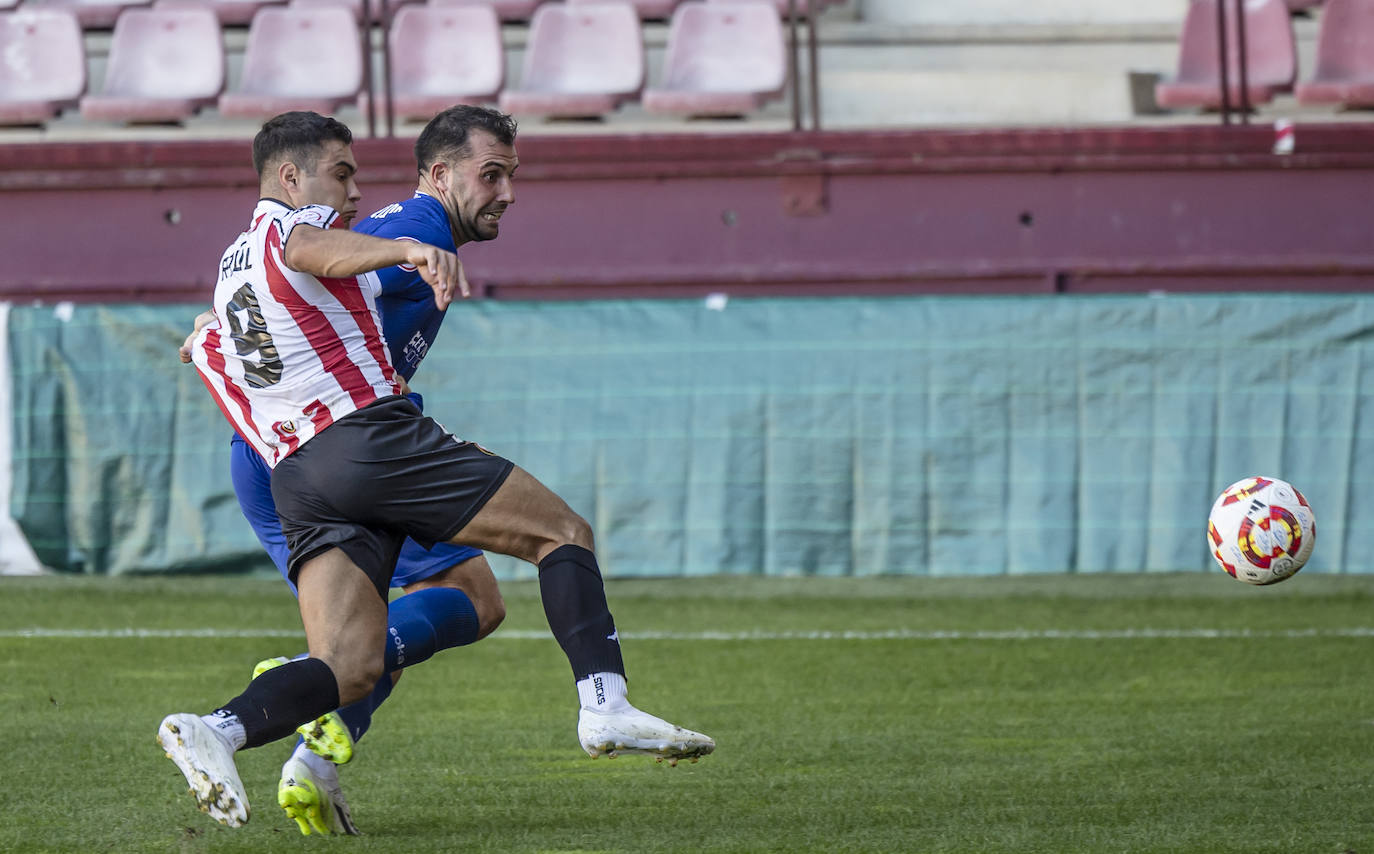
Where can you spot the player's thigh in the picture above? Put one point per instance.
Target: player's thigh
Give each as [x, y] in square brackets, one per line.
[475, 578]
[524, 519]
[345, 621]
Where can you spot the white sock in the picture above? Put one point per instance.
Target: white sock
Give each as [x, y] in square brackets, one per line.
[603, 692]
[228, 727]
[325, 771]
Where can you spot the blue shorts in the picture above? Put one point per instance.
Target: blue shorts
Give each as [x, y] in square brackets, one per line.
[253, 486]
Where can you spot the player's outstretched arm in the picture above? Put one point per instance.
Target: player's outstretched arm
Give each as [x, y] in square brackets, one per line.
[335, 253]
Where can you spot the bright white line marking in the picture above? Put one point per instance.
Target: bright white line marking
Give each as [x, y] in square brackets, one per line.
[890, 634]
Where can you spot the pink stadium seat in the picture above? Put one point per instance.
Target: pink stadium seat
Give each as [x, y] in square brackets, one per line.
[444, 55]
[647, 9]
[94, 14]
[1271, 66]
[377, 7]
[146, 44]
[722, 59]
[298, 59]
[1345, 56]
[580, 61]
[44, 65]
[1300, 5]
[782, 5]
[232, 13]
[506, 10]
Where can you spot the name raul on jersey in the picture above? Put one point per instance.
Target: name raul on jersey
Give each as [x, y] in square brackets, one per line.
[236, 260]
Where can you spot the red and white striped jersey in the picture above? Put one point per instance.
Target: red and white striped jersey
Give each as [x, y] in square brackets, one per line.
[288, 354]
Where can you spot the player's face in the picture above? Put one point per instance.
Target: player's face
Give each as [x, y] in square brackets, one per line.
[331, 182]
[477, 189]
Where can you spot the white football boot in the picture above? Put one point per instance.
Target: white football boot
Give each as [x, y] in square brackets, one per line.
[314, 799]
[629, 730]
[207, 762]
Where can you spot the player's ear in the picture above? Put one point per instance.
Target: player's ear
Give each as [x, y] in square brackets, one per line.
[288, 175]
[439, 174]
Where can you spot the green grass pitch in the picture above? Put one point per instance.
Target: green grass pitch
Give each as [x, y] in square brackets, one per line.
[1131, 713]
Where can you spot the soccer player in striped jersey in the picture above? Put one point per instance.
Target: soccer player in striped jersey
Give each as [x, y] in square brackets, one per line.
[295, 349]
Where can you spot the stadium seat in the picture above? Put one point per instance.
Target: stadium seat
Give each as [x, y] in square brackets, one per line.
[44, 67]
[1345, 57]
[148, 42]
[1271, 56]
[1301, 5]
[444, 55]
[231, 13]
[722, 59]
[783, 5]
[377, 7]
[647, 9]
[580, 61]
[94, 14]
[506, 10]
[285, 67]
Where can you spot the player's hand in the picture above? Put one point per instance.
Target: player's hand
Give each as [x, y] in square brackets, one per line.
[441, 270]
[202, 320]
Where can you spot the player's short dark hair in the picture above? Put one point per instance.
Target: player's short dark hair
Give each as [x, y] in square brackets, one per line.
[297, 136]
[446, 135]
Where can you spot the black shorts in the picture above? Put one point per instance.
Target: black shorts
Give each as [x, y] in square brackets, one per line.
[375, 477]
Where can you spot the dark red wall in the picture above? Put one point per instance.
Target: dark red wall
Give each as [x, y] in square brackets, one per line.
[1179, 208]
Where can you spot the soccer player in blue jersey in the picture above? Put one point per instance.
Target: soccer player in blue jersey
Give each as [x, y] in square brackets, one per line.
[466, 161]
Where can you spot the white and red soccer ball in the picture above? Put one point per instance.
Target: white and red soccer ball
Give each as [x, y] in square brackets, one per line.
[1261, 530]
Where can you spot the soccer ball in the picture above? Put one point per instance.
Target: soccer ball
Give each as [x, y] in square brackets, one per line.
[1261, 530]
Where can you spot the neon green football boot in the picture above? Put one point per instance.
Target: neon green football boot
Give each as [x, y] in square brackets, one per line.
[326, 736]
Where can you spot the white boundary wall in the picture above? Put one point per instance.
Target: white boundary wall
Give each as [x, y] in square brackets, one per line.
[16, 556]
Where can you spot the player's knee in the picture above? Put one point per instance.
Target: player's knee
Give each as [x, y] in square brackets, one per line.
[357, 679]
[491, 612]
[574, 530]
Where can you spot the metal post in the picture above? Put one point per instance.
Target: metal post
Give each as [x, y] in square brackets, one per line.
[367, 70]
[793, 62]
[387, 11]
[1225, 71]
[813, 64]
[1243, 57]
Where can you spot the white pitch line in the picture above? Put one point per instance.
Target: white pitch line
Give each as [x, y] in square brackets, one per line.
[890, 634]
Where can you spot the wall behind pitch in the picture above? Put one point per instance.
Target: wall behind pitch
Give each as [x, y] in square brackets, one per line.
[923, 435]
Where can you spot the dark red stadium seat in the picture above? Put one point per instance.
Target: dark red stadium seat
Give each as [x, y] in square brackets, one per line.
[647, 9]
[1345, 56]
[722, 59]
[444, 55]
[146, 44]
[44, 64]
[506, 10]
[298, 59]
[1271, 64]
[94, 14]
[580, 61]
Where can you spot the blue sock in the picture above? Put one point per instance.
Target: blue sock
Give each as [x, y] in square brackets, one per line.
[419, 624]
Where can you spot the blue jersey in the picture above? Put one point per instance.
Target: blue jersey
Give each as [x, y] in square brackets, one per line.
[410, 322]
[410, 319]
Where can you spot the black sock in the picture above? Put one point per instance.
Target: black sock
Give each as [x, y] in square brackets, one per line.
[575, 604]
[283, 698]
